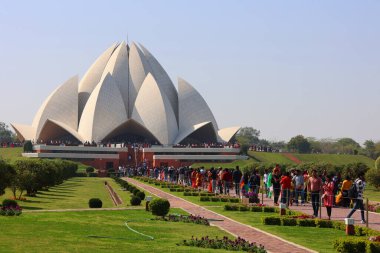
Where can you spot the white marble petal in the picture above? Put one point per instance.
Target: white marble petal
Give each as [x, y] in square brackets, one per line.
[93, 76]
[61, 105]
[154, 111]
[226, 134]
[193, 109]
[163, 79]
[103, 111]
[191, 129]
[24, 132]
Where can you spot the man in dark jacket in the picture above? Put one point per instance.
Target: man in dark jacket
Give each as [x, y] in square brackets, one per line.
[236, 176]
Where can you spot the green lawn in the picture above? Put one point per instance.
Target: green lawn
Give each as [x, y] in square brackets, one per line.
[335, 159]
[72, 231]
[232, 165]
[10, 154]
[372, 193]
[74, 193]
[270, 157]
[299, 235]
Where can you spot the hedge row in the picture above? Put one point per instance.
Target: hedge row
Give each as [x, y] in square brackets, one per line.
[217, 199]
[353, 245]
[289, 221]
[137, 195]
[245, 208]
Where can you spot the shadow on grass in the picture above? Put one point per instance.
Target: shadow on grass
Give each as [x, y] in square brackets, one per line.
[31, 208]
[34, 201]
[56, 195]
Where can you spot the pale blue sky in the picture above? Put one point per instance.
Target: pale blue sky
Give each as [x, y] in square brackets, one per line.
[284, 67]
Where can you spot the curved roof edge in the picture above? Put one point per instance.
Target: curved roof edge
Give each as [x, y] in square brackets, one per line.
[181, 136]
[226, 134]
[65, 127]
[24, 132]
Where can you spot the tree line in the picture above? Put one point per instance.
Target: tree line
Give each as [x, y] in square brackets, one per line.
[248, 136]
[31, 175]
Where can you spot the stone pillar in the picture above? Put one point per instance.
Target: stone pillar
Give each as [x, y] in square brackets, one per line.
[350, 228]
[282, 209]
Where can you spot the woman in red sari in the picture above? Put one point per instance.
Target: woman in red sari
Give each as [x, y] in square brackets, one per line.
[199, 179]
[328, 195]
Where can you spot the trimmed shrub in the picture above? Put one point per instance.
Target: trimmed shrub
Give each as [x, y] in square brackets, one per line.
[80, 174]
[9, 203]
[256, 208]
[159, 207]
[373, 176]
[339, 225]
[351, 245]
[231, 207]
[324, 223]
[289, 222]
[306, 223]
[141, 195]
[359, 231]
[135, 191]
[195, 194]
[271, 221]
[269, 209]
[243, 208]
[223, 199]
[204, 199]
[90, 169]
[233, 200]
[187, 193]
[95, 203]
[172, 190]
[135, 201]
[180, 190]
[214, 199]
[373, 247]
[92, 174]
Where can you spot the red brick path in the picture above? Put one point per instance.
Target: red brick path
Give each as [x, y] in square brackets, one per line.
[271, 243]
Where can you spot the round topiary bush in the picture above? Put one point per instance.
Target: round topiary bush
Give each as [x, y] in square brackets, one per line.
[135, 201]
[135, 191]
[95, 203]
[90, 169]
[141, 195]
[373, 177]
[159, 207]
[9, 203]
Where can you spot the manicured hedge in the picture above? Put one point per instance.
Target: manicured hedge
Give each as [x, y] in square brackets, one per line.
[289, 222]
[354, 245]
[324, 223]
[306, 223]
[271, 220]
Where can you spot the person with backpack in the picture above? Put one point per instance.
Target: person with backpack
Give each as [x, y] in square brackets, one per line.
[356, 192]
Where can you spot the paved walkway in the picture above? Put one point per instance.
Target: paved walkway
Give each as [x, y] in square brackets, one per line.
[271, 243]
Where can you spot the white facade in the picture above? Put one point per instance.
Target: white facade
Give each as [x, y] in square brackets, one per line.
[125, 91]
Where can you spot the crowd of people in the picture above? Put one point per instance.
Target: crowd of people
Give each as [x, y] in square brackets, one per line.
[10, 144]
[292, 187]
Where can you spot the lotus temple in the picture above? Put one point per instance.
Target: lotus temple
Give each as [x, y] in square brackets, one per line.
[126, 97]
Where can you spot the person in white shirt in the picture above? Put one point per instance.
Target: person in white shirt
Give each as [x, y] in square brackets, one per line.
[360, 185]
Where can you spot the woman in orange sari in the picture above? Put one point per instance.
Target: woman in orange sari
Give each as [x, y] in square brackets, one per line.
[199, 179]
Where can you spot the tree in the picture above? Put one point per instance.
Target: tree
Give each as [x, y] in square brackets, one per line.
[248, 135]
[348, 146]
[299, 144]
[6, 135]
[373, 177]
[370, 149]
[315, 145]
[6, 175]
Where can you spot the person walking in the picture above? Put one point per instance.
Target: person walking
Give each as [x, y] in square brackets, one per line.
[328, 195]
[276, 186]
[346, 185]
[236, 177]
[298, 183]
[360, 185]
[314, 186]
[286, 183]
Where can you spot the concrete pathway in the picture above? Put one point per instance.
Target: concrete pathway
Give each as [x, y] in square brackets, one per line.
[271, 243]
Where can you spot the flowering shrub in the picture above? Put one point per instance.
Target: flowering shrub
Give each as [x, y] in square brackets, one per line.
[10, 210]
[238, 244]
[187, 219]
